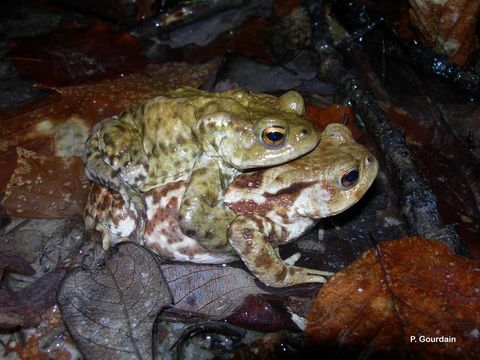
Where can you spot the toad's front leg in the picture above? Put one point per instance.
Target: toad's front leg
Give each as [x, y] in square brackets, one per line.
[203, 214]
[249, 236]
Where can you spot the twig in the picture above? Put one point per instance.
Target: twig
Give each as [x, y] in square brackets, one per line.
[417, 201]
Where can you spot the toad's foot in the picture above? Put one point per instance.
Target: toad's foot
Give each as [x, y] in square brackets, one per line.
[106, 240]
[250, 236]
[291, 260]
[299, 275]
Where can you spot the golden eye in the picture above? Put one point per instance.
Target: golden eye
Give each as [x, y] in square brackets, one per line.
[274, 135]
[350, 178]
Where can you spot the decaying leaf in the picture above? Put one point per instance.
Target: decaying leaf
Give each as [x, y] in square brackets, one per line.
[15, 264]
[46, 186]
[25, 244]
[389, 298]
[45, 244]
[214, 291]
[110, 311]
[56, 125]
[263, 313]
[449, 26]
[49, 341]
[23, 308]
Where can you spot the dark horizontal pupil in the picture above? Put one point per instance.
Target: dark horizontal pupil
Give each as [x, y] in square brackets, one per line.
[352, 176]
[275, 136]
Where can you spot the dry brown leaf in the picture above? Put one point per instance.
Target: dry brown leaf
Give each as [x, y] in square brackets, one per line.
[59, 124]
[214, 291]
[110, 311]
[409, 287]
[46, 186]
[449, 26]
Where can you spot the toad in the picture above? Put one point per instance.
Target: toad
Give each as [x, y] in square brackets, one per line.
[202, 140]
[272, 206]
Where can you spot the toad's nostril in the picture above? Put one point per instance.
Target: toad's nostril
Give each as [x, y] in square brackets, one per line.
[304, 132]
[369, 159]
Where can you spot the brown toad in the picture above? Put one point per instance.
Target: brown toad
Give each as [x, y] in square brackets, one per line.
[272, 207]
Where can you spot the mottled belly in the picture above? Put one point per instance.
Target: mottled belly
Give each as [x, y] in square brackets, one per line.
[107, 213]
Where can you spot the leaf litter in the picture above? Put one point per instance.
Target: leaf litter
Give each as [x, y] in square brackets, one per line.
[86, 104]
[213, 291]
[24, 307]
[110, 311]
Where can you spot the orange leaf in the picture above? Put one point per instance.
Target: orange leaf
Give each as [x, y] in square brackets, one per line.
[449, 26]
[46, 186]
[389, 298]
[336, 113]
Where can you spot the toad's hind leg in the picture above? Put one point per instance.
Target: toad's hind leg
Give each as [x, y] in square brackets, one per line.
[249, 237]
[114, 158]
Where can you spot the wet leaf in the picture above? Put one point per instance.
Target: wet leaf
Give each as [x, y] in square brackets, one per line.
[409, 287]
[110, 311]
[46, 187]
[52, 125]
[214, 291]
[203, 32]
[67, 57]
[45, 244]
[49, 341]
[22, 241]
[336, 113]
[23, 308]
[263, 313]
[34, 348]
